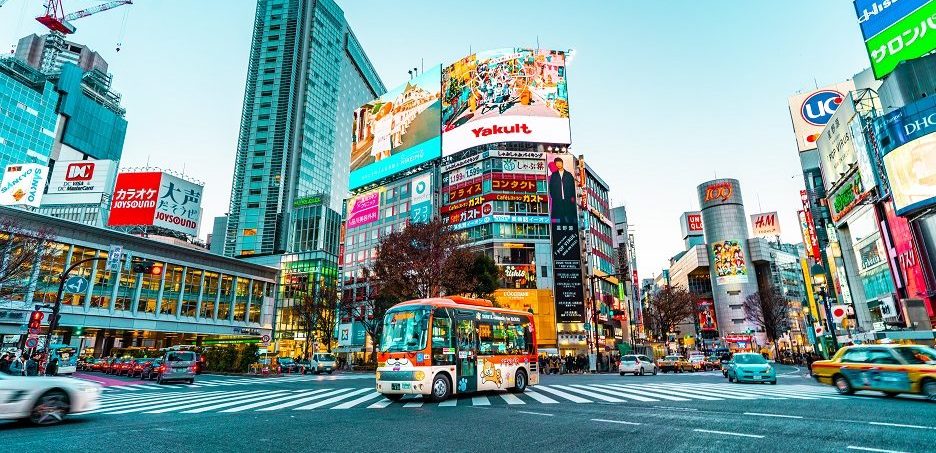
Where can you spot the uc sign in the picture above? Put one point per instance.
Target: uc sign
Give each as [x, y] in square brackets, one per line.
[818, 108]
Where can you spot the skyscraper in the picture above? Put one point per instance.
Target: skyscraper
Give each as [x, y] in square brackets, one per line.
[307, 74]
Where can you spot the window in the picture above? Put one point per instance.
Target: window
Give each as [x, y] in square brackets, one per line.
[256, 178]
[856, 356]
[441, 331]
[224, 307]
[192, 289]
[917, 355]
[882, 357]
[504, 337]
[210, 293]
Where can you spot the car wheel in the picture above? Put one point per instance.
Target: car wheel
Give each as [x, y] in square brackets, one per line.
[441, 388]
[50, 408]
[654, 371]
[640, 372]
[329, 371]
[929, 389]
[394, 396]
[730, 378]
[842, 385]
[621, 373]
[191, 381]
[520, 382]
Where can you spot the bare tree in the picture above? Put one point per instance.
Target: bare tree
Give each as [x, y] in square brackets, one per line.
[21, 251]
[317, 309]
[667, 308]
[768, 310]
[369, 310]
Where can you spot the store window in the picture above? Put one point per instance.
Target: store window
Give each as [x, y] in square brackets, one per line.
[256, 301]
[192, 289]
[149, 292]
[209, 295]
[171, 288]
[83, 270]
[50, 267]
[224, 306]
[100, 295]
[126, 291]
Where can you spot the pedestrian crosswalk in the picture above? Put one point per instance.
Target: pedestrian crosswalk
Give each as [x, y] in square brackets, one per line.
[217, 382]
[267, 400]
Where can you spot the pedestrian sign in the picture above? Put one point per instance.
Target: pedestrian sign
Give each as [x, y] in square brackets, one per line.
[113, 258]
[76, 285]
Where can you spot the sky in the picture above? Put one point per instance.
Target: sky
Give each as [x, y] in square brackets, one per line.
[664, 95]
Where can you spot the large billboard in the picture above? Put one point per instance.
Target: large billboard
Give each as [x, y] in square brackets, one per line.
[765, 225]
[836, 150]
[22, 185]
[810, 111]
[156, 199]
[363, 209]
[912, 174]
[503, 95]
[567, 253]
[398, 130]
[728, 259]
[896, 31]
[80, 181]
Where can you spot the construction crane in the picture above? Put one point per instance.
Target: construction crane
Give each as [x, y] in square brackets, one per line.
[2, 2]
[56, 20]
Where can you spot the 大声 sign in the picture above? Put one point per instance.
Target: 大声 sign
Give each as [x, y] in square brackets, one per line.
[156, 199]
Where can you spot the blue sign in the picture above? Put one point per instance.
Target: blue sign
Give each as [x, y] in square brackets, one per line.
[419, 154]
[819, 108]
[502, 218]
[874, 16]
[76, 285]
[905, 124]
[421, 212]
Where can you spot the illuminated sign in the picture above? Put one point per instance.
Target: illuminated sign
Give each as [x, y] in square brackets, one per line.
[718, 191]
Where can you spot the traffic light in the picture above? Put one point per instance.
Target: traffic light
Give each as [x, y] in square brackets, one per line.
[35, 319]
[147, 267]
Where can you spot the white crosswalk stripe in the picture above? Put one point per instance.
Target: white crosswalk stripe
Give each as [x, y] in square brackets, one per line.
[342, 398]
[215, 381]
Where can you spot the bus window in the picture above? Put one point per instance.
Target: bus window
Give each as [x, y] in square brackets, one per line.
[441, 331]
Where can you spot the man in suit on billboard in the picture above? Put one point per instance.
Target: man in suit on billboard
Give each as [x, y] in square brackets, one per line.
[562, 194]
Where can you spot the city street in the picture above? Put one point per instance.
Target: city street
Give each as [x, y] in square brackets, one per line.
[685, 412]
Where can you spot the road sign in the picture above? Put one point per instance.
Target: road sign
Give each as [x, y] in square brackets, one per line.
[34, 331]
[265, 339]
[76, 284]
[32, 342]
[113, 258]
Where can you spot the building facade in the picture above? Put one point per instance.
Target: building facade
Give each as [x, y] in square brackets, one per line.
[28, 126]
[48, 53]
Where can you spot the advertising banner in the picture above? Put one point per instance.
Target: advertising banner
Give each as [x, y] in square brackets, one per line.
[728, 259]
[468, 214]
[465, 191]
[765, 225]
[398, 130]
[564, 229]
[523, 166]
[814, 239]
[477, 201]
[804, 229]
[502, 218]
[720, 192]
[135, 198]
[80, 181]
[179, 205]
[912, 174]
[464, 173]
[836, 150]
[903, 33]
[706, 311]
[847, 197]
[502, 95]
[503, 183]
[363, 209]
[421, 202]
[810, 111]
[22, 185]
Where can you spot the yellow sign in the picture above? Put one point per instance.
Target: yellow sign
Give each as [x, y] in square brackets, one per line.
[540, 303]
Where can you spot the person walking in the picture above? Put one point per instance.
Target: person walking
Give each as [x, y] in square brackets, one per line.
[32, 366]
[52, 368]
[17, 367]
[5, 363]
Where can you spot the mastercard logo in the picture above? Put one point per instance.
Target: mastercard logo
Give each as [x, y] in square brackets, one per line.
[812, 138]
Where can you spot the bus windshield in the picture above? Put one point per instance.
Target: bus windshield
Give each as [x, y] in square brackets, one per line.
[405, 330]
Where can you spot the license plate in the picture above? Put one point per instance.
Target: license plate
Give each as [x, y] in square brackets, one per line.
[178, 370]
[394, 386]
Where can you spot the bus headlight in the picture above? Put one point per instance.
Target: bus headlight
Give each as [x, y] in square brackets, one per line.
[378, 375]
[419, 375]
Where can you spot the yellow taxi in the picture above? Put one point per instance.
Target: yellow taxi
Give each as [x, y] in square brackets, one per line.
[891, 369]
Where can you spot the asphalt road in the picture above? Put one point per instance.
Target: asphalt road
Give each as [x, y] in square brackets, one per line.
[682, 412]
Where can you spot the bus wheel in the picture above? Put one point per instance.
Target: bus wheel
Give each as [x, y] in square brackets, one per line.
[441, 388]
[520, 382]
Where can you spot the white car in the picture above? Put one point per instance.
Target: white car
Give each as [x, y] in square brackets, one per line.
[322, 363]
[637, 364]
[46, 400]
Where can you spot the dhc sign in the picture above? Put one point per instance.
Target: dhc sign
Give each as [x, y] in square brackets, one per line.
[818, 108]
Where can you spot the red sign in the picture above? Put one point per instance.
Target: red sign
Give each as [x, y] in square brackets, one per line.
[817, 255]
[467, 214]
[479, 200]
[904, 251]
[719, 191]
[706, 311]
[695, 222]
[513, 185]
[735, 338]
[460, 193]
[79, 171]
[134, 199]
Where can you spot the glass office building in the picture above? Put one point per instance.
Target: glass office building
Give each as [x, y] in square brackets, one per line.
[27, 124]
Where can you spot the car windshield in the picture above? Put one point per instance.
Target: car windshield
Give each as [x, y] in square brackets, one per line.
[629, 358]
[405, 330]
[917, 355]
[326, 358]
[671, 357]
[284, 360]
[749, 359]
[181, 357]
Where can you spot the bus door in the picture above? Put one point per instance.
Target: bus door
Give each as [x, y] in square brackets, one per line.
[467, 359]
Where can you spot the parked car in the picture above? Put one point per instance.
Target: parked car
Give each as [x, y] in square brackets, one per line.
[890, 369]
[322, 362]
[177, 366]
[113, 365]
[637, 364]
[99, 365]
[287, 365]
[136, 367]
[751, 367]
[45, 400]
[674, 363]
[123, 369]
[151, 369]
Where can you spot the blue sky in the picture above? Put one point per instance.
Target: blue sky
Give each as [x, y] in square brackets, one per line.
[664, 95]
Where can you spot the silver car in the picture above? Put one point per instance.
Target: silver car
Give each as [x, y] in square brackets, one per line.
[178, 366]
[638, 364]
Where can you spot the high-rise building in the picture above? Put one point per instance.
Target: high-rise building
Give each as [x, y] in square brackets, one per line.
[28, 101]
[626, 268]
[49, 52]
[307, 73]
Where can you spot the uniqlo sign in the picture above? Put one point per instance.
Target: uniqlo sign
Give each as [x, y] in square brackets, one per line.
[134, 200]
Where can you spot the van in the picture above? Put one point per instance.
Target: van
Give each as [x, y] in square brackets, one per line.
[178, 366]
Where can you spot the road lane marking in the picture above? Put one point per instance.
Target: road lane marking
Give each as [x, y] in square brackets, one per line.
[536, 413]
[630, 390]
[561, 394]
[303, 400]
[214, 404]
[619, 422]
[413, 404]
[901, 425]
[274, 400]
[594, 395]
[169, 403]
[615, 392]
[709, 392]
[852, 447]
[480, 401]
[261, 400]
[727, 433]
[540, 398]
[510, 398]
[354, 402]
[380, 404]
[142, 400]
[333, 399]
[758, 414]
[660, 390]
[451, 402]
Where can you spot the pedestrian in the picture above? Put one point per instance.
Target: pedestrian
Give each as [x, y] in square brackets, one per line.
[32, 366]
[17, 366]
[52, 368]
[5, 363]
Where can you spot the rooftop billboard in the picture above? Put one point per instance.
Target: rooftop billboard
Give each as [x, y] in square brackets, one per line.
[811, 111]
[80, 181]
[501, 95]
[398, 130]
[156, 198]
[896, 31]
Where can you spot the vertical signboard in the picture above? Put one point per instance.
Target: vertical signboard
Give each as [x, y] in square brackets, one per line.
[421, 203]
[706, 311]
[179, 205]
[765, 225]
[363, 209]
[23, 185]
[134, 200]
[811, 227]
[567, 255]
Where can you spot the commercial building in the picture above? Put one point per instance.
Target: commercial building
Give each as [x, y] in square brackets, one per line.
[198, 298]
[48, 53]
[28, 126]
[626, 267]
[307, 73]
